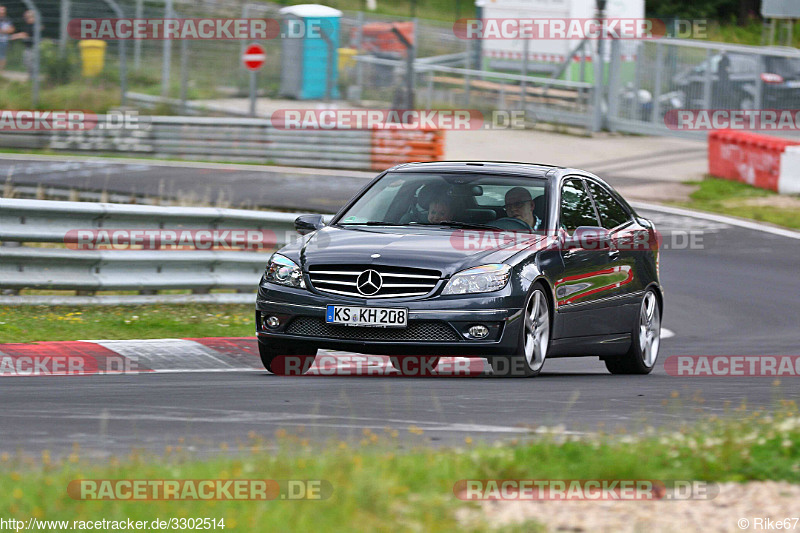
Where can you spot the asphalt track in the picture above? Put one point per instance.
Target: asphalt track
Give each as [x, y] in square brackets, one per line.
[736, 294]
[238, 185]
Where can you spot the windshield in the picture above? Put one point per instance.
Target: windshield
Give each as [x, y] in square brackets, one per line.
[452, 200]
[788, 67]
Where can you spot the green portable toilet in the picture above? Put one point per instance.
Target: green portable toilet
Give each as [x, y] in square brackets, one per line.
[309, 51]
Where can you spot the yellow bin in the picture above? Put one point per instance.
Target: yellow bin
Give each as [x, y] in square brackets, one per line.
[93, 53]
[346, 58]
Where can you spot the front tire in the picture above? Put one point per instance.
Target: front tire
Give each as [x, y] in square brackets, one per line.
[645, 340]
[283, 360]
[534, 340]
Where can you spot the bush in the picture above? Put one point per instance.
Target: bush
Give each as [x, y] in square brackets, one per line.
[58, 68]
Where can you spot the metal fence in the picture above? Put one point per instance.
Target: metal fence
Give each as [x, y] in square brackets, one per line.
[440, 86]
[25, 263]
[670, 74]
[618, 85]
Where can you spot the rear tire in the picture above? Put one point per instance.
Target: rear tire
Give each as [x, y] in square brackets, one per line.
[645, 340]
[534, 341]
[414, 366]
[283, 360]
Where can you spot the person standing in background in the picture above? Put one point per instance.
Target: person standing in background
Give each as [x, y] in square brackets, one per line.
[26, 36]
[6, 29]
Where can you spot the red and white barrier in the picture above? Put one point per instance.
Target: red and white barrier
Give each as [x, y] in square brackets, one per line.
[759, 160]
[789, 179]
[211, 354]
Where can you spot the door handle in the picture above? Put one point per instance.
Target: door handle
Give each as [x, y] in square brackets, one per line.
[613, 254]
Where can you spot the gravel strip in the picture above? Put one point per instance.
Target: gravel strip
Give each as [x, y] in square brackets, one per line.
[768, 500]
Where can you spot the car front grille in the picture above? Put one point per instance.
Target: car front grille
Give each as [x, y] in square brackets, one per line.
[395, 282]
[430, 331]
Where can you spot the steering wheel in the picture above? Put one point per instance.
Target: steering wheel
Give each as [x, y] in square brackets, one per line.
[510, 223]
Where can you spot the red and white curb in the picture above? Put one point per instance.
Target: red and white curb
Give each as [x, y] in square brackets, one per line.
[211, 354]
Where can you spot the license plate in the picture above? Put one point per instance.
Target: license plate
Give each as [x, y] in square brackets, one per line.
[377, 317]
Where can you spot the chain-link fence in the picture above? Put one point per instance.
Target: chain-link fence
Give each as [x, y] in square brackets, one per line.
[670, 75]
[396, 62]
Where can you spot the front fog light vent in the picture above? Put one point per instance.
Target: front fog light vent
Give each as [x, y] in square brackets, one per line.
[478, 332]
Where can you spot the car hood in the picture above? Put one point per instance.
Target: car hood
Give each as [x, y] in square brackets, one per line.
[445, 250]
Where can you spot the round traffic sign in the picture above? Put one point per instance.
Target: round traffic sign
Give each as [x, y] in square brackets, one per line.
[254, 56]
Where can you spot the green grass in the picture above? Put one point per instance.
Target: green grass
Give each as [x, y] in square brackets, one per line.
[97, 96]
[749, 34]
[50, 323]
[377, 487]
[742, 200]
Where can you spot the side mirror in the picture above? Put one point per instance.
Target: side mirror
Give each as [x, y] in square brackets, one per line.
[590, 238]
[305, 224]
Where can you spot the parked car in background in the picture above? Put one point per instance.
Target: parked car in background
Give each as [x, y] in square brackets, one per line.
[779, 77]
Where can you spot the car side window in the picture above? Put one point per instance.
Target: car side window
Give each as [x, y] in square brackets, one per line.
[612, 213]
[743, 64]
[576, 206]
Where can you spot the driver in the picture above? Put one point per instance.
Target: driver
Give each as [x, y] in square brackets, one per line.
[519, 205]
[439, 210]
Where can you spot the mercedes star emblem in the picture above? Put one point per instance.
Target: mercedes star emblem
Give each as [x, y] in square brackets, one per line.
[369, 282]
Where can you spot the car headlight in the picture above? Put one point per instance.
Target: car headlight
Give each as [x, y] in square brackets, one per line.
[486, 278]
[283, 271]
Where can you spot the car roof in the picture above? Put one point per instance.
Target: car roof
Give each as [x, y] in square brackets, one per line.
[534, 170]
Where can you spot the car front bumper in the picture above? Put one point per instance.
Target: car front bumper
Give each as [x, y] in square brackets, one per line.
[436, 325]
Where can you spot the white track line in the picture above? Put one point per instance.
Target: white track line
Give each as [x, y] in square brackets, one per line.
[739, 222]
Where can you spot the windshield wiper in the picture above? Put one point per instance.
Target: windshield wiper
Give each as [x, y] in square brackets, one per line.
[371, 223]
[456, 224]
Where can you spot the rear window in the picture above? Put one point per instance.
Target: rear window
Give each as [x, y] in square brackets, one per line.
[495, 195]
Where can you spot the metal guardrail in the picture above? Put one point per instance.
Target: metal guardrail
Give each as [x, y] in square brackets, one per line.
[240, 140]
[58, 268]
[211, 138]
